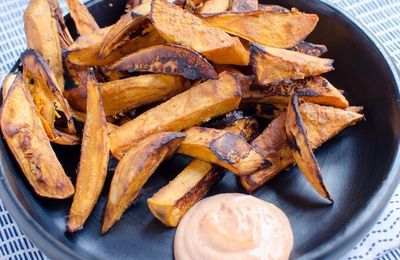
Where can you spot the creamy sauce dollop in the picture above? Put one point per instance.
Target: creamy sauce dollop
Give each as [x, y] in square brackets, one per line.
[233, 226]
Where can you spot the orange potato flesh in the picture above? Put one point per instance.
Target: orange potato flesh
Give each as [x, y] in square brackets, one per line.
[301, 149]
[24, 133]
[280, 30]
[39, 15]
[313, 89]
[196, 105]
[134, 170]
[168, 59]
[272, 65]
[93, 163]
[84, 21]
[7, 83]
[81, 117]
[178, 26]
[125, 94]
[321, 124]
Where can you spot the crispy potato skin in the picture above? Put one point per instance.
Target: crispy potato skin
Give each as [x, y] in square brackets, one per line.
[272, 65]
[273, 8]
[222, 148]
[7, 83]
[312, 49]
[125, 94]
[24, 133]
[94, 158]
[196, 105]
[134, 170]
[216, 45]
[45, 91]
[301, 149]
[321, 123]
[38, 15]
[243, 6]
[312, 89]
[280, 30]
[168, 59]
[84, 21]
[85, 50]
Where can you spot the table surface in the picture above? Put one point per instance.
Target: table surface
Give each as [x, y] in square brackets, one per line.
[382, 17]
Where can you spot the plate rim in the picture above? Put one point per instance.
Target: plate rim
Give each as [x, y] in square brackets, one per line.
[54, 248]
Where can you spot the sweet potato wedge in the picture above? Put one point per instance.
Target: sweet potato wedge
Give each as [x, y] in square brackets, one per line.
[310, 48]
[273, 8]
[172, 201]
[213, 6]
[272, 65]
[63, 33]
[316, 90]
[81, 117]
[39, 15]
[280, 30]
[7, 83]
[222, 148]
[302, 153]
[134, 170]
[85, 50]
[321, 124]
[46, 93]
[167, 59]
[196, 105]
[93, 163]
[125, 94]
[24, 133]
[180, 27]
[84, 21]
[240, 6]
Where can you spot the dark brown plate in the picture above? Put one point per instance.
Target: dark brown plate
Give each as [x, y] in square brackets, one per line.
[360, 166]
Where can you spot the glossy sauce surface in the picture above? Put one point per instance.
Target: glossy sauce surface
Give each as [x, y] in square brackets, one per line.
[233, 226]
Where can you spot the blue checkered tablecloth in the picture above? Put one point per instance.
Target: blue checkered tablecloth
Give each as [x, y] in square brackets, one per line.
[382, 17]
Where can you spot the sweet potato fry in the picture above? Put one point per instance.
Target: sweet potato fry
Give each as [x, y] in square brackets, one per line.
[39, 15]
[313, 89]
[81, 117]
[24, 133]
[46, 93]
[7, 83]
[167, 59]
[213, 6]
[122, 95]
[280, 30]
[63, 33]
[180, 27]
[272, 65]
[243, 6]
[302, 153]
[84, 21]
[85, 50]
[310, 48]
[321, 124]
[196, 105]
[172, 201]
[93, 163]
[222, 148]
[134, 170]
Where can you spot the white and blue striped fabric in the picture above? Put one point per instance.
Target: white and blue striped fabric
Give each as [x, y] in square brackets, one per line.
[382, 17]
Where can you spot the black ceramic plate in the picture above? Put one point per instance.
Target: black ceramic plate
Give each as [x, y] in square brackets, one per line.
[360, 165]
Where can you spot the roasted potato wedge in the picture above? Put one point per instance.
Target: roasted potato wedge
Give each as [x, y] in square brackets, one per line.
[280, 30]
[310, 48]
[122, 95]
[180, 27]
[24, 133]
[168, 59]
[38, 15]
[196, 105]
[93, 163]
[172, 201]
[213, 6]
[302, 153]
[7, 83]
[84, 21]
[313, 89]
[46, 93]
[85, 50]
[240, 6]
[321, 124]
[134, 170]
[222, 148]
[272, 65]
[63, 33]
